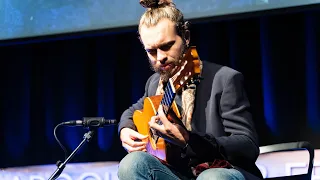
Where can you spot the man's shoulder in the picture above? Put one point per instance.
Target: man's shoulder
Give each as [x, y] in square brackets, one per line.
[154, 77]
[152, 83]
[218, 71]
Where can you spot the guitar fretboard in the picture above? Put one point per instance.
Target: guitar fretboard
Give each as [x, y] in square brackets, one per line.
[166, 102]
[168, 97]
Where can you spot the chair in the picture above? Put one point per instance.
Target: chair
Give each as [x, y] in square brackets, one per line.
[290, 147]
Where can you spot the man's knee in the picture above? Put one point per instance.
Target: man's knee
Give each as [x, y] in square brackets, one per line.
[220, 173]
[133, 163]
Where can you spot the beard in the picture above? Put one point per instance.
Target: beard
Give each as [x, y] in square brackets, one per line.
[164, 75]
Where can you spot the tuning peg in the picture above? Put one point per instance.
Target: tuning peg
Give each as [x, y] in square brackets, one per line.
[197, 80]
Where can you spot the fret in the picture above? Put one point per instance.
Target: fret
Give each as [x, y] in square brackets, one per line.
[170, 93]
[166, 100]
[163, 98]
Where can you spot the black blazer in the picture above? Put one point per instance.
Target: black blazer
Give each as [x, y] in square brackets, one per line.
[222, 125]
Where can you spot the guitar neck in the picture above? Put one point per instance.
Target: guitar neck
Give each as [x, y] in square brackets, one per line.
[166, 102]
[168, 97]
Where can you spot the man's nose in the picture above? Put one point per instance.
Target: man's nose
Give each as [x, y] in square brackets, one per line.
[161, 56]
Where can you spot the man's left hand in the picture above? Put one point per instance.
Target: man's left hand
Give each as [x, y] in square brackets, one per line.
[171, 132]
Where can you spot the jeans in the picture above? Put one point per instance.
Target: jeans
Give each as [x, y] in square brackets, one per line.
[141, 165]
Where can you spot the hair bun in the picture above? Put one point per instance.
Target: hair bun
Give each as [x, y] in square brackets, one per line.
[155, 3]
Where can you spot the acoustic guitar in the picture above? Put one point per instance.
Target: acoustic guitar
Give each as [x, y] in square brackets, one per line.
[187, 73]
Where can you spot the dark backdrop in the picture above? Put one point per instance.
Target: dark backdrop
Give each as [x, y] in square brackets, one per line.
[47, 82]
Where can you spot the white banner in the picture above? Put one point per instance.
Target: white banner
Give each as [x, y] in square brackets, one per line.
[72, 171]
[270, 165]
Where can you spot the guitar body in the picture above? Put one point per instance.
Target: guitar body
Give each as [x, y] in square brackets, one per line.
[141, 118]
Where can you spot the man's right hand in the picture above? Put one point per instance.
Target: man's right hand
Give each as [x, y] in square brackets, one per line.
[132, 140]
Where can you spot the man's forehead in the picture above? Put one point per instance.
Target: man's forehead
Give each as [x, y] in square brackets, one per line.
[153, 36]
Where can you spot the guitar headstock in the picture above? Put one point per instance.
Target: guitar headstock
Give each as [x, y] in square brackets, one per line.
[189, 71]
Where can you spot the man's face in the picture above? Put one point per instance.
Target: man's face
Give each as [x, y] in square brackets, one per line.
[164, 47]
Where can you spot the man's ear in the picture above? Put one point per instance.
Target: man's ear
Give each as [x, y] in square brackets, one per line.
[187, 37]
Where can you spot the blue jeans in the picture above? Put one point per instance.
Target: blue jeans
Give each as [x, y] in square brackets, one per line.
[141, 165]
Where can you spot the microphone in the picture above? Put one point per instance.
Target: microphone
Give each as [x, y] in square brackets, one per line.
[91, 122]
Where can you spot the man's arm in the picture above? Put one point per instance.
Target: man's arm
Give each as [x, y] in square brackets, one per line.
[241, 142]
[126, 120]
[237, 120]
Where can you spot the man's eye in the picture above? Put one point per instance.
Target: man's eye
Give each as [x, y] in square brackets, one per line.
[152, 51]
[167, 47]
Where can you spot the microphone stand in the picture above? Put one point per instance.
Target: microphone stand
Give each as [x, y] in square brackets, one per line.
[60, 166]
